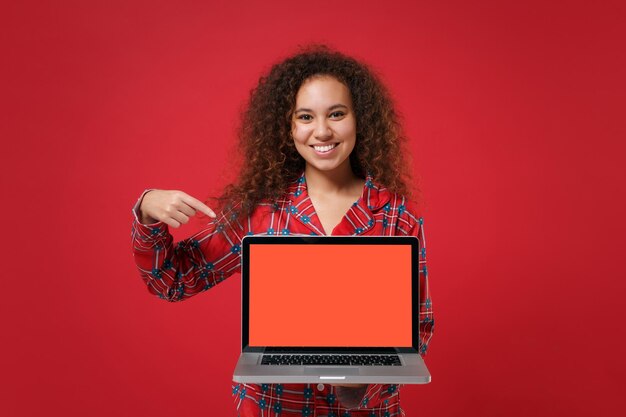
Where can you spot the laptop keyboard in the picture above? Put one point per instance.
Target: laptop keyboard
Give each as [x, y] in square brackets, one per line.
[353, 360]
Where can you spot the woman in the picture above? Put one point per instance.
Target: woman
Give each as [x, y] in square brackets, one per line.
[324, 156]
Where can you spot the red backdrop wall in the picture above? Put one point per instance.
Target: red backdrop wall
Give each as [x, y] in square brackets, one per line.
[516, 118]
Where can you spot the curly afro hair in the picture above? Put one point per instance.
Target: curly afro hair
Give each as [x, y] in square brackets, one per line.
[270, 161]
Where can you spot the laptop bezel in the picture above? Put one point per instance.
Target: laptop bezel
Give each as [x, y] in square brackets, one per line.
[412, 241]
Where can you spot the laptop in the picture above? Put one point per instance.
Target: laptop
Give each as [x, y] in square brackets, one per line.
[333, 309]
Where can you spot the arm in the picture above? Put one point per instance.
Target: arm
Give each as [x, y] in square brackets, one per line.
[175, 272]
[426, 318]
[373, 395]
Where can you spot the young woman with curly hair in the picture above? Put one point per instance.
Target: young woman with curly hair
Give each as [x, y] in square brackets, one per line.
[323, 154]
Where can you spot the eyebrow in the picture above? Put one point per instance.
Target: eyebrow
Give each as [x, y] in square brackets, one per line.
[334, 106]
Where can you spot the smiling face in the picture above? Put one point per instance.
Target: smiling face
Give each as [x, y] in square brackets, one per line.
[323, 123]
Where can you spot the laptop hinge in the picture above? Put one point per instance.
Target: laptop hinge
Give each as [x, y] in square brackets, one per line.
[314, 350]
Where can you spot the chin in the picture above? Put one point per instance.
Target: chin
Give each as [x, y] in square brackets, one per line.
[325, 166]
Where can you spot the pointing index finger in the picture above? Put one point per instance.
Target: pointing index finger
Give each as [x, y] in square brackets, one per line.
[199, 205]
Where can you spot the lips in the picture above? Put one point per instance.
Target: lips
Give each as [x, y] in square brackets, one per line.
[323, 149]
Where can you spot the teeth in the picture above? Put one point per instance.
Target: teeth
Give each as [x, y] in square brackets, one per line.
[324, 148]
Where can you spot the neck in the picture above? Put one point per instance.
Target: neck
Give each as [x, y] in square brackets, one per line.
[341, 180]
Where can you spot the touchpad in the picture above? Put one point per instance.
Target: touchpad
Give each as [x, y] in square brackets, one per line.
[327, 371]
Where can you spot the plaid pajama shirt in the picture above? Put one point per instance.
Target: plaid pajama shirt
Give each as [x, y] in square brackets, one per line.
[175, 272]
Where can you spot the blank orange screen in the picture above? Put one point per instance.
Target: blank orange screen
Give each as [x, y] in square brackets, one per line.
[330, 295]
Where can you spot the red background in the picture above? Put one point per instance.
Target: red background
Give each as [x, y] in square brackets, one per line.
[516, 117]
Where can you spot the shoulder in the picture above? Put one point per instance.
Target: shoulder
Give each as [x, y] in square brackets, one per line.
[411, 210]
[401, 211]
[409, 213]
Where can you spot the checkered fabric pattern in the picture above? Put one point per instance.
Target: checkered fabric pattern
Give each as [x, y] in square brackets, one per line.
[175, 272]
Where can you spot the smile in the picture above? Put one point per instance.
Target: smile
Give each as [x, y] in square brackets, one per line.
[324, 148]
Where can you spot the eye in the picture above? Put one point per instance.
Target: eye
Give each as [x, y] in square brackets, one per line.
[304, 115]
[338, 113]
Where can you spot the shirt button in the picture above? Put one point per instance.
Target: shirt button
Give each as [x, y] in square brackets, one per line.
[320, 387]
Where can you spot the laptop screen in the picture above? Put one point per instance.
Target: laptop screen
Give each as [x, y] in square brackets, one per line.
[328, 295]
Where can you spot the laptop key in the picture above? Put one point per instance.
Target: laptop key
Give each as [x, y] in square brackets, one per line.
[353, 360]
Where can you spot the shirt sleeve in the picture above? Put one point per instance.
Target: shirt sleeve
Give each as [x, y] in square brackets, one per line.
[426, 318]
[377, 394]
[177, 271]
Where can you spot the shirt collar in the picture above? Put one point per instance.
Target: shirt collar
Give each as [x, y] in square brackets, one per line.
[373, 197]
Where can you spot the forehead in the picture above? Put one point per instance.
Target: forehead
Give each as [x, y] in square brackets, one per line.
[322, 89]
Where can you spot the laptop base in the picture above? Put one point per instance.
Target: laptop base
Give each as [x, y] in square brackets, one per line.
[250, 370]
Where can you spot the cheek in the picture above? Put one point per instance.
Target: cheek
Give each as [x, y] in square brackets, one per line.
[351, 147]
[299, 135]
[349, 134]
[347, 129]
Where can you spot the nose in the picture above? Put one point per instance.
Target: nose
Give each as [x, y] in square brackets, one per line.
[322, 130]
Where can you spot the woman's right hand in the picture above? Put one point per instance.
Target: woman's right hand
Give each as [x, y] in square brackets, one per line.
[172, 207]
